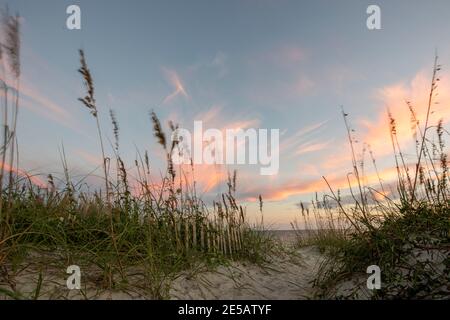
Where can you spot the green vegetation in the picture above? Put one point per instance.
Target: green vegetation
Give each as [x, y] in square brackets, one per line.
[131, 239]
[406, 234]
[138, 239]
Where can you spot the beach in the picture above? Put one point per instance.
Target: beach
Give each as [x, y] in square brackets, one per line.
[287, 276]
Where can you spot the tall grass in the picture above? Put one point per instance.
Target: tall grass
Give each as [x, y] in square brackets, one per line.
[10, 82]
[122, 237]
[405, 232]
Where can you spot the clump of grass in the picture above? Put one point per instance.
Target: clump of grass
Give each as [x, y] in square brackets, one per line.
[125, 238]
[10, 81]
[406, 235]
[10, 73]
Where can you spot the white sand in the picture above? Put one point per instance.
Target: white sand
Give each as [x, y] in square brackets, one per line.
[286, 277]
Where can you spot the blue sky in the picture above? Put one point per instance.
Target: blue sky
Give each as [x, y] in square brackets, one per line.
[265, 64]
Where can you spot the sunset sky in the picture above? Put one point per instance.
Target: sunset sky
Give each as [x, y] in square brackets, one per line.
[288, 65]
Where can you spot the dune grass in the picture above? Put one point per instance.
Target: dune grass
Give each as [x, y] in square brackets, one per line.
[405, 233]
[122, 237]
[139, 236]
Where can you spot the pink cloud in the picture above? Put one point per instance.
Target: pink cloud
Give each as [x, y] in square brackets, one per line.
[291, 143]
[291, 188]
[175, 80]
[36, 180]
[34, 100]
[89, 157]
[312, 147]
[394, 97]
[286, 54]
[304, 85]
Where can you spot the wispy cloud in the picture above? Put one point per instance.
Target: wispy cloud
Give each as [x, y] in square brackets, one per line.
[34, 179]
[393, 98]
[287, 189]
[37, 102]
[89, 157]
[174, 79]
[283, 55]
[303, 85]
[291, 143]
[312, 147]
[220, 62]
[374, 131]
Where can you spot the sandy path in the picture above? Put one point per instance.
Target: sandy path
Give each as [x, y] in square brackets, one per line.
[288, 277]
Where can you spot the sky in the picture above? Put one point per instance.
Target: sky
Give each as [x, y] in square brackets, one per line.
[287, 65]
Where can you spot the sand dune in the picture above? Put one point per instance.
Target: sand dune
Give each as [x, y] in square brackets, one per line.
[286, 277]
